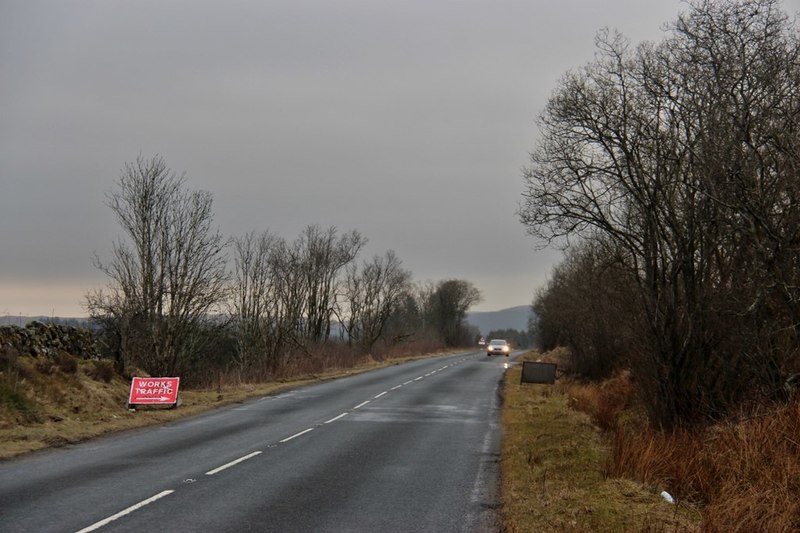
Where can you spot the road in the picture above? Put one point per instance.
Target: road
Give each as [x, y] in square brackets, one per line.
[413, 447]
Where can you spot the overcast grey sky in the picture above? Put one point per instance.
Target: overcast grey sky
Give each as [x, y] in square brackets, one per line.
[408, 121]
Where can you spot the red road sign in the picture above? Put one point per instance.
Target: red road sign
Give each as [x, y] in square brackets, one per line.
[154, 391]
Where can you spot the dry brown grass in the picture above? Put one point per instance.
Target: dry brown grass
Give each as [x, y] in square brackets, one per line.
[744, 473]
[606, 403]
[752, 473]
[48, 402]
[553, 462]
[54, 408]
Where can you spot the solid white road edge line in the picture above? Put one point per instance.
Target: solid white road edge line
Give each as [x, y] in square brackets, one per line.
[232, 463]
[287, 439]
[132, 508]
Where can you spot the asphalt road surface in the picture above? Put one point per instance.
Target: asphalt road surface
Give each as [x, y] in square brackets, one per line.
[409, 448]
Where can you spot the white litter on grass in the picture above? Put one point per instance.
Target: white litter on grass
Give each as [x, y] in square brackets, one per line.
[667, 496]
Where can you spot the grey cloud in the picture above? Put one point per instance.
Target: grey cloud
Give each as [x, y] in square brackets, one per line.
[407, 121]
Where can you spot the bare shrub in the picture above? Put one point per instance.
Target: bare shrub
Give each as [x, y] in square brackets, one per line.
[409, 348]
[753, 473]
[746, 473]
[67, 363]
[664, 460]
[23, 408]
[101, 370]
[605, 402]
[45, 365]
[8, 356]
[561, 357]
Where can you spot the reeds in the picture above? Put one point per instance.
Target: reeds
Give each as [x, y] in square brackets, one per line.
[743, 472]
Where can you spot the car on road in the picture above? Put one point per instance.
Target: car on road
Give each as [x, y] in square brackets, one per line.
[499, 347]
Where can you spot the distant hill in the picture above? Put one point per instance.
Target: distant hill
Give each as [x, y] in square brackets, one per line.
[21, 321]
[511, 318]
[485, 321]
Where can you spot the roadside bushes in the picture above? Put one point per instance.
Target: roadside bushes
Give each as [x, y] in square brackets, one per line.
[59, 362]
[743, 472]
[678, 161]
[587, 306]
[605, 402]
[101, 370]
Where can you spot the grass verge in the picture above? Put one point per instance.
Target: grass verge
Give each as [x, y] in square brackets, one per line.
[44, 405]
[553, 464]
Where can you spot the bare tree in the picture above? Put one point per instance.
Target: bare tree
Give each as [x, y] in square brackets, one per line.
[407, 321]
[286, 293]
[588, 305]
[168, 275]
[325, 255]
[254, 303]
[684, 155]
[447, 310]
[373, 294]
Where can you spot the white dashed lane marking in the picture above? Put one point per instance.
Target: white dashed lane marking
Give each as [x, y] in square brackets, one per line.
[129, 510]
[232, 463]
[106, 521]
[335, 418]
[287, 439]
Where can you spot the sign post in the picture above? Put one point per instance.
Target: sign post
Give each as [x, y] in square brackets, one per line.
[153, 391]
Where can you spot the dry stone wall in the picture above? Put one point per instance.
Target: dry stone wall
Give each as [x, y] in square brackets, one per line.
[42, 339]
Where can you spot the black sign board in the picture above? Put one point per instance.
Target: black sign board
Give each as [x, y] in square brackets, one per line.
[533, 372]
